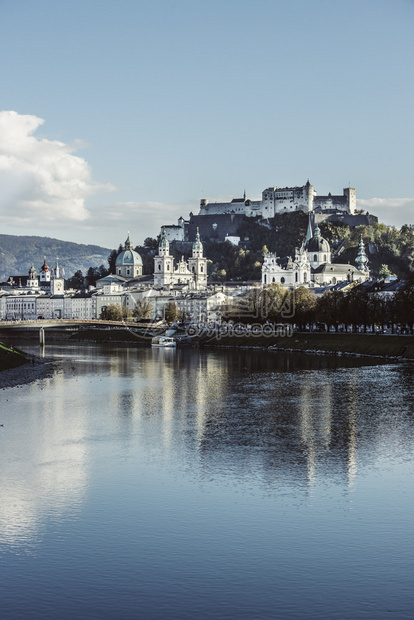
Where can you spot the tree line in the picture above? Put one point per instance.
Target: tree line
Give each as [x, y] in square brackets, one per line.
[360, 308]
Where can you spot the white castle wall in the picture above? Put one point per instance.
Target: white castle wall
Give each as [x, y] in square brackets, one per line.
[283, 200]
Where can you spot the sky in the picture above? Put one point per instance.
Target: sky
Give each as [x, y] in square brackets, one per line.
[119, 116]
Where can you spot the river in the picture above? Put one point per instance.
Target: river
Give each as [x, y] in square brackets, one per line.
[158, 484]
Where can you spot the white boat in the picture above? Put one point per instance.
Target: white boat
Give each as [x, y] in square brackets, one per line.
[163, 341]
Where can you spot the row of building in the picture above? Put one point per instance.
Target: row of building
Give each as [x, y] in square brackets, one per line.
[184, 282]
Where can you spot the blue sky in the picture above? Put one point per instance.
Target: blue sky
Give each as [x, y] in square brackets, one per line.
[121, 115]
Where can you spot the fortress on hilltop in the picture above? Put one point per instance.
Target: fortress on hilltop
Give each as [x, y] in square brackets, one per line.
[219, 221]
[284, 200]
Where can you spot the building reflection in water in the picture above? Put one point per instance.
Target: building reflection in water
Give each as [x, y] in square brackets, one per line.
[302, 423]
[292, 421]
[43, 460]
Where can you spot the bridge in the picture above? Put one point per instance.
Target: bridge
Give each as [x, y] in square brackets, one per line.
[102, 330]
[76, 324]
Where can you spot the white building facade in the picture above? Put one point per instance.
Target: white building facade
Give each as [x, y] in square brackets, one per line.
[192, 273]
[312, 265]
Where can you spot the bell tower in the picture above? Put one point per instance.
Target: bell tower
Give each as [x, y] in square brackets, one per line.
[197, 264]
[163, 263]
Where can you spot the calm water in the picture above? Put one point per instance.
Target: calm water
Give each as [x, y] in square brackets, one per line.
[193, 484]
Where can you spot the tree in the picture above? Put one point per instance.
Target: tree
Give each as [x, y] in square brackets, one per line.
[95, 273]
[329, 309]
[171, 312]
[304, 305]
[404, 301]
[77, 281]
[115, 312]
[357, 307]
[143, 309]
[150, 243]
[111, 260]
[275, 303]
[384, 271]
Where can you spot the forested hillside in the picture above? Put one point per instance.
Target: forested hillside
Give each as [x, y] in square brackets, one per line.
[18, 253]
[390, 250]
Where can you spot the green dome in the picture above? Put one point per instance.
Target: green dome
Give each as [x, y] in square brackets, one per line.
[128, 257]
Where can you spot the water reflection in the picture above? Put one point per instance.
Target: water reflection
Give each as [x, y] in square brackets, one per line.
[42, 460]
[281, 421]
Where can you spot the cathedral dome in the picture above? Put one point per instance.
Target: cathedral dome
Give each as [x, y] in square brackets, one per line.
[128, 258]
[317, 243]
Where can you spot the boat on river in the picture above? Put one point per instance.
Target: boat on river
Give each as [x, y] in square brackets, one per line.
[163, 342]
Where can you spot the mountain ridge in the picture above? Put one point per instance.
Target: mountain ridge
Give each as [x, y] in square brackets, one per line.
[17, 253]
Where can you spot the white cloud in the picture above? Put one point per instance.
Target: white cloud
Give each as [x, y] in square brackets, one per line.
[40, 177]
[391, 211]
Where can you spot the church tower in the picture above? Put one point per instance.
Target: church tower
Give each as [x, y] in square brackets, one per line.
[44, 274]
[57, 283]
[198, 265]
[32, 281]
[163, 263]
[301, 267]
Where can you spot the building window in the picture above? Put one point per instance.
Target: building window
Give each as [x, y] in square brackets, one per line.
[315, 258]
[282, 280]
[159, 267]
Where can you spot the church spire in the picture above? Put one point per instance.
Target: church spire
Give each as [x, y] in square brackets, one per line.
[197, 246]
[309, 233]
[128, 244]
[361, 260]
[164, 246]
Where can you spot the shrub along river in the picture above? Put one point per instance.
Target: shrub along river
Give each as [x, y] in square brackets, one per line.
[139, 483]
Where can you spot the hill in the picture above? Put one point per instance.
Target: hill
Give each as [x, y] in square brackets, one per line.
[17, 253]
[390, 251]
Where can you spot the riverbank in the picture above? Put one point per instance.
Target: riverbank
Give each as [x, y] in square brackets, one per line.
[18, 368]
[379, 345]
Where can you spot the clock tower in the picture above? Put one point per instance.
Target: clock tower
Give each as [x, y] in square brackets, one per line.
[57, 283]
